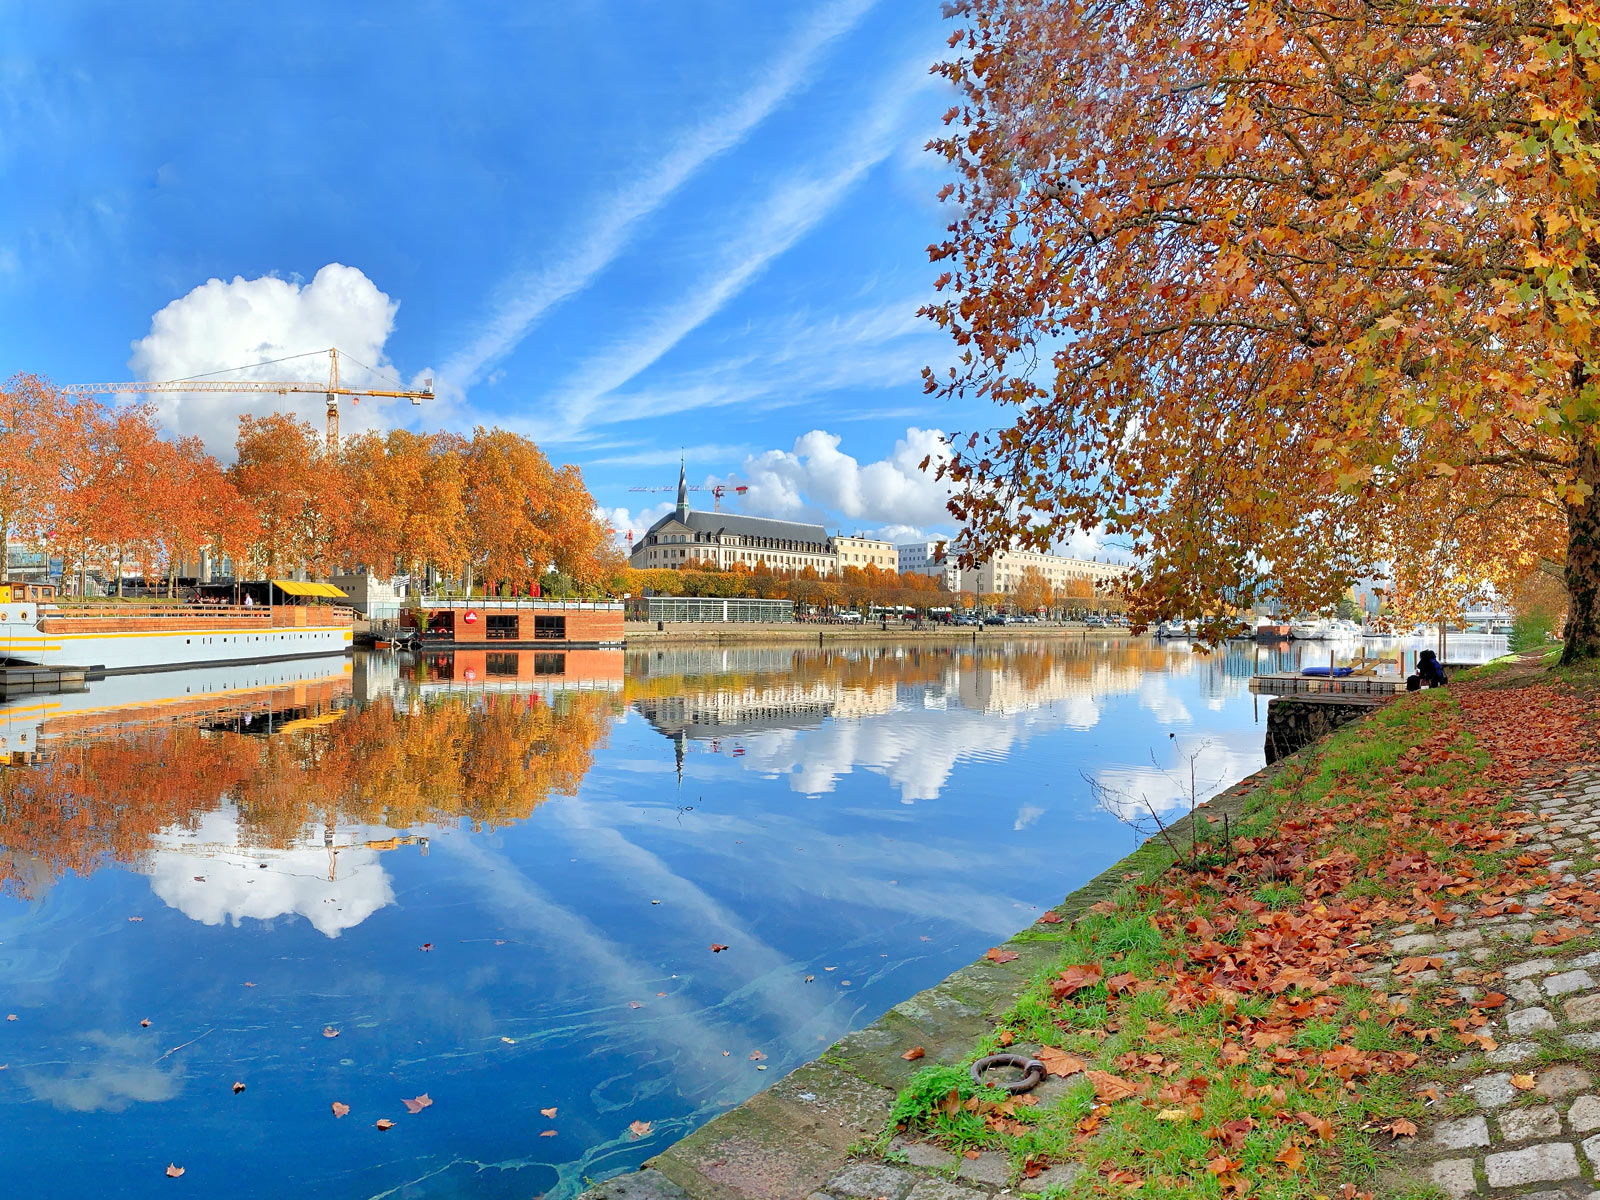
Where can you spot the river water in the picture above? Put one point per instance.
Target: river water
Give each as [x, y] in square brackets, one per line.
[497, 881]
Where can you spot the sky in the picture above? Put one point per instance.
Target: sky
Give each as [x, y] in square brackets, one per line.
[630, 230]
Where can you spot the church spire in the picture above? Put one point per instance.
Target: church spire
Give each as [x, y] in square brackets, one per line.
[683, 493]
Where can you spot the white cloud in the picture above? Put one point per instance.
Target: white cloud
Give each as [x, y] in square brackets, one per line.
[528, 297]
[108, 1072]
[221, 325]
[622, 521]
[816, 481]
[212, 874]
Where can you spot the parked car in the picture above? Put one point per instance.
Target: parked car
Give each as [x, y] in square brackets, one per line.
[966, 619]
[850, 617]
[995, 619]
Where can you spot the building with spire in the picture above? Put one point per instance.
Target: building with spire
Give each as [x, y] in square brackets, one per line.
[718, 540]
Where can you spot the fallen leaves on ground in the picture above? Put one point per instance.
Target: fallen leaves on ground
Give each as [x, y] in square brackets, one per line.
[1059, 1062]
[997, 955]
[913, 1054]
[1400, 1128]
[1523, 1083]
[1050, 918]
[416, 1105]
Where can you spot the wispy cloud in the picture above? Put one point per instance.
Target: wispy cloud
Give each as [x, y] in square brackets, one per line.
[530, 296]
[791, 210]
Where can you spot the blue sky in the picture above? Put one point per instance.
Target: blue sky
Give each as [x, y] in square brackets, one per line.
[622, 227]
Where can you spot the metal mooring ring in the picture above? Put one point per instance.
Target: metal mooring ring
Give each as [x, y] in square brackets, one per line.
[1033, 1071]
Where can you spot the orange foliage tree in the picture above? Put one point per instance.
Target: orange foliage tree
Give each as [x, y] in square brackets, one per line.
[1312, 287]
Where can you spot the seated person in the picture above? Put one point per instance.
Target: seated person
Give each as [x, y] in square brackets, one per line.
[1430, 671]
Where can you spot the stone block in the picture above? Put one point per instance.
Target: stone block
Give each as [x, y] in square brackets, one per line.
[1527, 1124]
[1547, 1163]
[1461, 938]
[1512, 1052]
[1059, 1175]
[871, 1181]
[1568, 982]
[1525, 991]
[1562, 1081]
[989, 1167]
[1526, 970]
[1461, 1134]
[1414, 942]
[924, 1154]
[1530, 1020]
[1455, 1177]
[1584, 1115]
[1491, 1091]
[1583, 1009]
[1591, 1150]
[637, 1185]
[943, 1189]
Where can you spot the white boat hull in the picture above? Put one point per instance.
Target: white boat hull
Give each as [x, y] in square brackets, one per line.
[181, 642]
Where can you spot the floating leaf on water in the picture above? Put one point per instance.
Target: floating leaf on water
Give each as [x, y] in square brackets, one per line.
[173, 1170]
[340, 1110]
[180, 1169]
[383, 1123]
[417, 1105]
[237, 1087]
[639, 1129]
[547, 1133]
[756, 1056]
[508, 1041]
[425, 946]
[547, 1112]
[329, 1031]
[634, 1004]
[717, 947]
[145, 1024]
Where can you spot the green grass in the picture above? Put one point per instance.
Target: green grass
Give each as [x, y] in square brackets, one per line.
[1164, 1140]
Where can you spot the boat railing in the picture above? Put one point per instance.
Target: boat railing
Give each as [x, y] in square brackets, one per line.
[533, 605]
[232, 613]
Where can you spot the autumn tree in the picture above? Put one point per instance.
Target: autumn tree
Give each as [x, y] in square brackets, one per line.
[278, 474]
[1032, 590]
[34, 426]
[1283, 293]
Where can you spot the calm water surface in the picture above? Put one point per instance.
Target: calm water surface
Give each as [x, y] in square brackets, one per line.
[498, 879]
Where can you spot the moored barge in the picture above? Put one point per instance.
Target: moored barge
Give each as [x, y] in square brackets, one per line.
[111, 639]
[490, 623]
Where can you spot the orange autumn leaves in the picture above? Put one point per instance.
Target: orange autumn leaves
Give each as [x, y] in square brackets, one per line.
[1228, 272]
[102, 487]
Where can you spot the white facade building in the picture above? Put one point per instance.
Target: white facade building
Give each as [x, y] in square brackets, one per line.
[862, 552]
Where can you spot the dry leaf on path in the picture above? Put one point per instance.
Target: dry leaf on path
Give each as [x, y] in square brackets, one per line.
[1523, 1083]
[913, 1054]
[1050, 918]
[1059, 1062]
[1400, 1127]
[1110, 1088]
[998, 955]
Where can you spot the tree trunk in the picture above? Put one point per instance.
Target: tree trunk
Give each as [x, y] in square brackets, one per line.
[1583, 563]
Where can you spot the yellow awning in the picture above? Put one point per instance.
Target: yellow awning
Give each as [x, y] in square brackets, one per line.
[296, 587]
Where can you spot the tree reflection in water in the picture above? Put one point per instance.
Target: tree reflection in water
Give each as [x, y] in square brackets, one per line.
[96, 798]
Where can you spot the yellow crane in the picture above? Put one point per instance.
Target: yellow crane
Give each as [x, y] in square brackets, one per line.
[332, 389]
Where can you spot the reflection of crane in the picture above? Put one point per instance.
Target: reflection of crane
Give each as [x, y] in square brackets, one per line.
[717, 492]
[332, 390]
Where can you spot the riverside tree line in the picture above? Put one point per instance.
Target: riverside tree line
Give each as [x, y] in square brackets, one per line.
[98, 486]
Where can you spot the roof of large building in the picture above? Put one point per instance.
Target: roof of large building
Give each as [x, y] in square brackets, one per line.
[739, 525]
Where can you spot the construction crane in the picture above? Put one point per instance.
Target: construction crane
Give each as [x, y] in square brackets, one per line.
[332, 389]
[717, 492]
